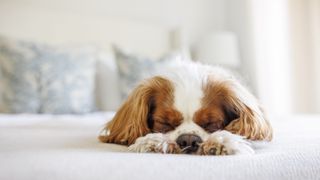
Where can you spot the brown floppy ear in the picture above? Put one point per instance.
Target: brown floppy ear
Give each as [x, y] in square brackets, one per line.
[130, 121]
[250, 120]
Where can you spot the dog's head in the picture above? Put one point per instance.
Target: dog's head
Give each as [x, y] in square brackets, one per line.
[188, 106]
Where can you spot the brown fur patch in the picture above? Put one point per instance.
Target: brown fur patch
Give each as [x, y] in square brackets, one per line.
[165, 119]
[223, 109]
[210, 118]
[131, 120]
[212, 115]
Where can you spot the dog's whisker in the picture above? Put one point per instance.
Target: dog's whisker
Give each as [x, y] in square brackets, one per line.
[185, 148]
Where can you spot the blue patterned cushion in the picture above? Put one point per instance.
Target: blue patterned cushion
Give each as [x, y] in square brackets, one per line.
[133, 69]
[37, 78]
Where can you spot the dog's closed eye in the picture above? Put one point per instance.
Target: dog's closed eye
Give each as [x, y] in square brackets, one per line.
[212, 126]
[162, 126]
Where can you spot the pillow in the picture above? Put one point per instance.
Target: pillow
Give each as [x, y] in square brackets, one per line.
[107, 89]
[132, 69]
[38, 78]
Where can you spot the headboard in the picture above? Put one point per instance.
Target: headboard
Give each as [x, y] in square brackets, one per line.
[29, 20]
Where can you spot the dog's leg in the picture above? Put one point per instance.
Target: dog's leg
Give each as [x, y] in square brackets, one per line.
[155, 143]
[225, 143]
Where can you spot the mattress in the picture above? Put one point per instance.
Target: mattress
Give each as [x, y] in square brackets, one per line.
[51, 147]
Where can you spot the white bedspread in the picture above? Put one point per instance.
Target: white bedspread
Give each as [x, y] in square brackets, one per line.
[47, 147]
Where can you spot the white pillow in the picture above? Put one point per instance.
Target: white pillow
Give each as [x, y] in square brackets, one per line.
[107, 81]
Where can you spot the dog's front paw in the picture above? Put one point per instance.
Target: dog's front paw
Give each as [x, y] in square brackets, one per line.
[211, 147]
[225, 143]
[154, 143]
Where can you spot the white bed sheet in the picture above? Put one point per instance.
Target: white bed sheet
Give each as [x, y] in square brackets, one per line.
[49, 147]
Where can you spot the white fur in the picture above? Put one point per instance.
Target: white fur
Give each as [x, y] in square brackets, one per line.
[154, 142]
[188, 128]
[234, 144]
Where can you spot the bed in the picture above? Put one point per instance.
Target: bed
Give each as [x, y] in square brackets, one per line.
[54, 147]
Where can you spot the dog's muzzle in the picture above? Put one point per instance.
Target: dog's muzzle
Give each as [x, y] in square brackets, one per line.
[189, 143]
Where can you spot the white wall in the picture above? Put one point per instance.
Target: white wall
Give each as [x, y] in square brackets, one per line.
[239, 20]
[280, 49]
[197, 17]
[305, 44]
[272, 54]
[262, 27]
[315, 8]
[302, 51]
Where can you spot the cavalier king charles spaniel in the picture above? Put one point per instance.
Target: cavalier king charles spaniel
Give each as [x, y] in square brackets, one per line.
[190, 109]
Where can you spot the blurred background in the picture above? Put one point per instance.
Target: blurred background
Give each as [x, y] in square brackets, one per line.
[273, 44]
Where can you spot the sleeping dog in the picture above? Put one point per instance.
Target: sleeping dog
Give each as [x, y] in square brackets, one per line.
[191, 109]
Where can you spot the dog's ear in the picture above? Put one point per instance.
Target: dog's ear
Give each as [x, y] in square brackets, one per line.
[241, 109]
[250, 120]
[132, 120]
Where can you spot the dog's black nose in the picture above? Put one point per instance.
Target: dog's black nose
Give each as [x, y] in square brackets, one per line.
[189, 143]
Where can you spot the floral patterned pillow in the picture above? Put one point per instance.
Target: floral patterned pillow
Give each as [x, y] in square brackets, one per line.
[37, 78]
